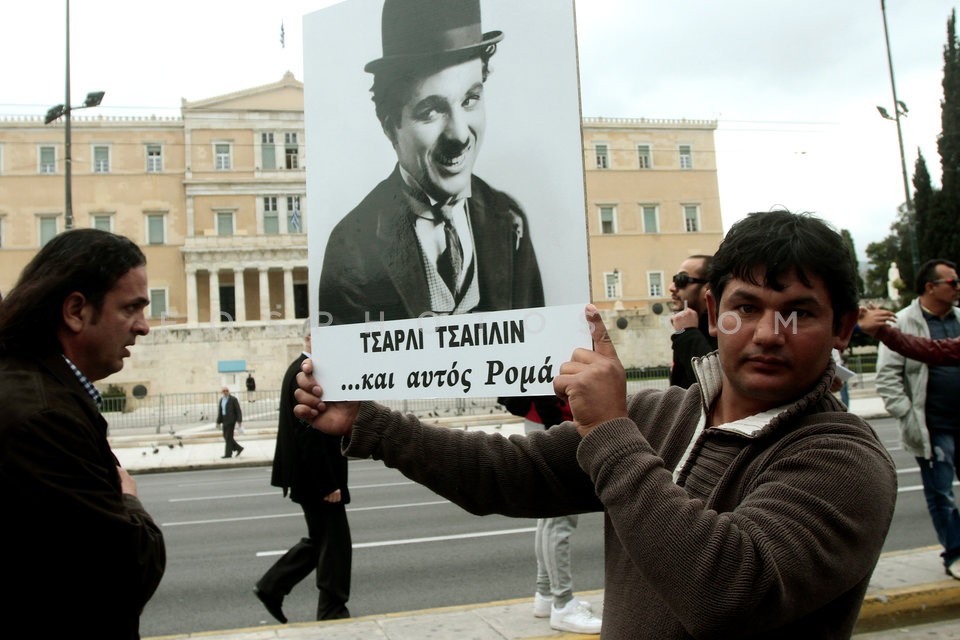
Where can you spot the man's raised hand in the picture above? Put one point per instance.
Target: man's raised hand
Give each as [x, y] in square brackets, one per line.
[593, 382]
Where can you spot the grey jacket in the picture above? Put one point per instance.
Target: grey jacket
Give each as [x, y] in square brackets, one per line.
[902, 383]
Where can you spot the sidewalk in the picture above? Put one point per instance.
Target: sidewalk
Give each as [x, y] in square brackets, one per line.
[907, 587]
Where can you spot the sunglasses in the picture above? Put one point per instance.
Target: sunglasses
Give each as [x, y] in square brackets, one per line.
[681, 280]
[953, 282]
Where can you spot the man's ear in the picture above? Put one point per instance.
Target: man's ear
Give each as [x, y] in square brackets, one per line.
[712, 304]
[848, 322]
[75, 311]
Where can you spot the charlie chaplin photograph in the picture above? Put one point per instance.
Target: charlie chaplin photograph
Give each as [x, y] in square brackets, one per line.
[445, 154]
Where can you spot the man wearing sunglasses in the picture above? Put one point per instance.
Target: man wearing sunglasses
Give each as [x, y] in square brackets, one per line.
[923, 398]
[691, 337]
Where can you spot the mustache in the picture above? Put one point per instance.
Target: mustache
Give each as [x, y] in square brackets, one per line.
[452, 148]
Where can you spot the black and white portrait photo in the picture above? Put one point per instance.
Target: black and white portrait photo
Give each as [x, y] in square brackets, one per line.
[445, 168]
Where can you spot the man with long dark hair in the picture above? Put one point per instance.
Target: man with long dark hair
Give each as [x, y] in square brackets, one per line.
[78, 553]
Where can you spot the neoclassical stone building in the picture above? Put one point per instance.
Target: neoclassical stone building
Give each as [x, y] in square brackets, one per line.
[217, 199]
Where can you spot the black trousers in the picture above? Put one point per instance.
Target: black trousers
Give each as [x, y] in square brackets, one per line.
[329, 550]
[230, 445]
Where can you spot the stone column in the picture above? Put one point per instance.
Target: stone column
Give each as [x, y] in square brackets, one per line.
[288, 311]
[193, 308]
[239, 295]
[264, 294]
[214, 296]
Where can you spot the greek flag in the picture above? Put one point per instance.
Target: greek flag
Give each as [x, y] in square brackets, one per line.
[295, 219]
[282, 44]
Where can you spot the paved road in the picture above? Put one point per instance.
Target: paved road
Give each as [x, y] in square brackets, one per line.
[413, 549]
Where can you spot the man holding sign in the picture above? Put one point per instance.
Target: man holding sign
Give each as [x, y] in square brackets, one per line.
[750, 504]
[432, 238]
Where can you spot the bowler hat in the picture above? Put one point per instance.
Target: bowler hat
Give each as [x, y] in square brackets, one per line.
[420, 29]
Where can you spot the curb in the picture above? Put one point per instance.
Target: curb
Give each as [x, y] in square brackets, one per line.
[909, 606]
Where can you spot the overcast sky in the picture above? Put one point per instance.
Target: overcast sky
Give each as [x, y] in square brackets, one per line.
[793, 84]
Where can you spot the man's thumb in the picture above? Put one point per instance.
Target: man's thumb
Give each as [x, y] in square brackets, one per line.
[598, 331]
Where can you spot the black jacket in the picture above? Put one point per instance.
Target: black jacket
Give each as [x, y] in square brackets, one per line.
[78, 557]
[373, 264]
[307, 462]
[691, 343]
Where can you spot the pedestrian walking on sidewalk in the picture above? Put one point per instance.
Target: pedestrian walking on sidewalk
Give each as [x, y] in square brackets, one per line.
[79, 554]
[923, 398]
[751, 504]
[308, 463]
[229, 417]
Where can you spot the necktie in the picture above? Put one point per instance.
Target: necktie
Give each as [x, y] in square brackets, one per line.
[450, 262]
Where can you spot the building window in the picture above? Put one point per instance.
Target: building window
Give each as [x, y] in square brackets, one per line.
[611, 284]
[47, 229]
[154, 158]
[291, 151]
[102, 221]
[603, 156]
[686, 157]
[268, 152]
[156, 228]
[644, 157]
[691, 218]
[48, 159]
[294, 219]
[608, 220]
[221, 153]
[651, 222]
[101, 159]
[158, 303]
[655, 280]
[271, 219]
[224, 223]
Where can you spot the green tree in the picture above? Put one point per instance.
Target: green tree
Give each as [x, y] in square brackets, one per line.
[925, 204]
[948, 144]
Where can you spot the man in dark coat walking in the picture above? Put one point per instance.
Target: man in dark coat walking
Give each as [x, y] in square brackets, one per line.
[230, 416]
[308, 463]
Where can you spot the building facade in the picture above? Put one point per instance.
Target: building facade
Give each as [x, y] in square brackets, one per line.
[217, 199]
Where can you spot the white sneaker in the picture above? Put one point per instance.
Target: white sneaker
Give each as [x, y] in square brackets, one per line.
[576, 617]
[954, 569]
[542, 605]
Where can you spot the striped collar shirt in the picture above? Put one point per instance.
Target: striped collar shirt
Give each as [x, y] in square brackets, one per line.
[87, 385]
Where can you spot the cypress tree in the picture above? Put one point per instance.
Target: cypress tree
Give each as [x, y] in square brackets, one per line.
[948, 145]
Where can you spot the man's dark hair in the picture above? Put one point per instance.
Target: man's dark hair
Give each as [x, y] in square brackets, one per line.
[392, 87]
[705, 267]
[782, 242]
[928, 273]
[88, 261]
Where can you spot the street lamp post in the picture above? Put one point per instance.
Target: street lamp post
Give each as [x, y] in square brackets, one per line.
[900, 109]
[53, 113]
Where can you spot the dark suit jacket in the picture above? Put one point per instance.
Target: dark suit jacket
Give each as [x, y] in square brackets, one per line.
[372, 262]
[233, 416]
[80, 558]
[306, 461]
